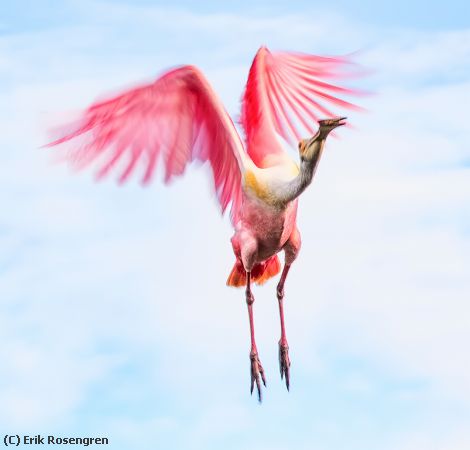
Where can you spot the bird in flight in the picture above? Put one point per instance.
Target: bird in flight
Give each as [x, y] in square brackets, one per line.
[178, 119]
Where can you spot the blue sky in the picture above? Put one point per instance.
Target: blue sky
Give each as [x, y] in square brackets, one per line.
[114, 316]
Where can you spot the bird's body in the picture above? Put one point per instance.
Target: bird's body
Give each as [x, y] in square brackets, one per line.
[178, 119]
[270, 226]
[265, 224]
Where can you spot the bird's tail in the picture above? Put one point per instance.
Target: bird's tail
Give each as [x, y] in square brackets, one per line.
[260, 273]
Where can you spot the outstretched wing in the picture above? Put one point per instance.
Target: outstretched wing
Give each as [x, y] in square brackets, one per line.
[177, 119]
[287, 93]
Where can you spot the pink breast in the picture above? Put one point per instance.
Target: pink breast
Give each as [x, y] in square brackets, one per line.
[270, 226]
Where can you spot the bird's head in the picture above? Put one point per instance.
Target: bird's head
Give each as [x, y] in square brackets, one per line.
[309, 148]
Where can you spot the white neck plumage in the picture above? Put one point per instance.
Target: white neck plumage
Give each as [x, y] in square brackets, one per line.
[310, 154]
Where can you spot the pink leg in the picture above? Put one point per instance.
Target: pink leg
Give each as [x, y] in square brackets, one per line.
[284, 361]
[291, 250]
[256, 367]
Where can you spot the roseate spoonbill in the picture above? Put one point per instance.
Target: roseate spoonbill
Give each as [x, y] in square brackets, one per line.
[178, 118]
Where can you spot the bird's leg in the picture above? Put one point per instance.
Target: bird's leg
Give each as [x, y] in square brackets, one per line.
[284, 361]
[256, 367]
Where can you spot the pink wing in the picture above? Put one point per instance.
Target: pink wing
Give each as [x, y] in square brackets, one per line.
[287, 93]
[178, 118]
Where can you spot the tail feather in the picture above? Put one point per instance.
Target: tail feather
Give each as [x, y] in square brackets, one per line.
[272, 267]
[237, 277]
[260, 273]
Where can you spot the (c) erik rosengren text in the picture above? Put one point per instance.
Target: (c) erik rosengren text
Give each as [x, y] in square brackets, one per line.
[16, 440]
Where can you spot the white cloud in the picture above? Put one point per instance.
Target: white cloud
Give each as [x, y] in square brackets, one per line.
[382, 276]
[423, 55]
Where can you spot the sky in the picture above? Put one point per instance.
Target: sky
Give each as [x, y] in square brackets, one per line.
[115, 320]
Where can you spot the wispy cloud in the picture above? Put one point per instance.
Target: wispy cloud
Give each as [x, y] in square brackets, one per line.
[114, 308]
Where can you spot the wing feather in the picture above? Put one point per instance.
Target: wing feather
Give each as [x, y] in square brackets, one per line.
[176, 119]
[285, 94]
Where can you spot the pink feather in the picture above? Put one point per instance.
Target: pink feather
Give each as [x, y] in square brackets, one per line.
[282, 96]
[178, 118]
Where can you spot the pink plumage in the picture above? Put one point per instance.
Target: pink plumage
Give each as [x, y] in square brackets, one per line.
[284, 95]
[178, 119]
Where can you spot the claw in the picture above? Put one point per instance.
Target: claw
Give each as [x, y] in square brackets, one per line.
[284, 362]
[256, 371]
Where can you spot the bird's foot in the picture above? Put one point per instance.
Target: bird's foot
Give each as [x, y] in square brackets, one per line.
[257, 372]
[284, 361]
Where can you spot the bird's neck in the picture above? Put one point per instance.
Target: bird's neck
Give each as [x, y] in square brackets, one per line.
[308, 165]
